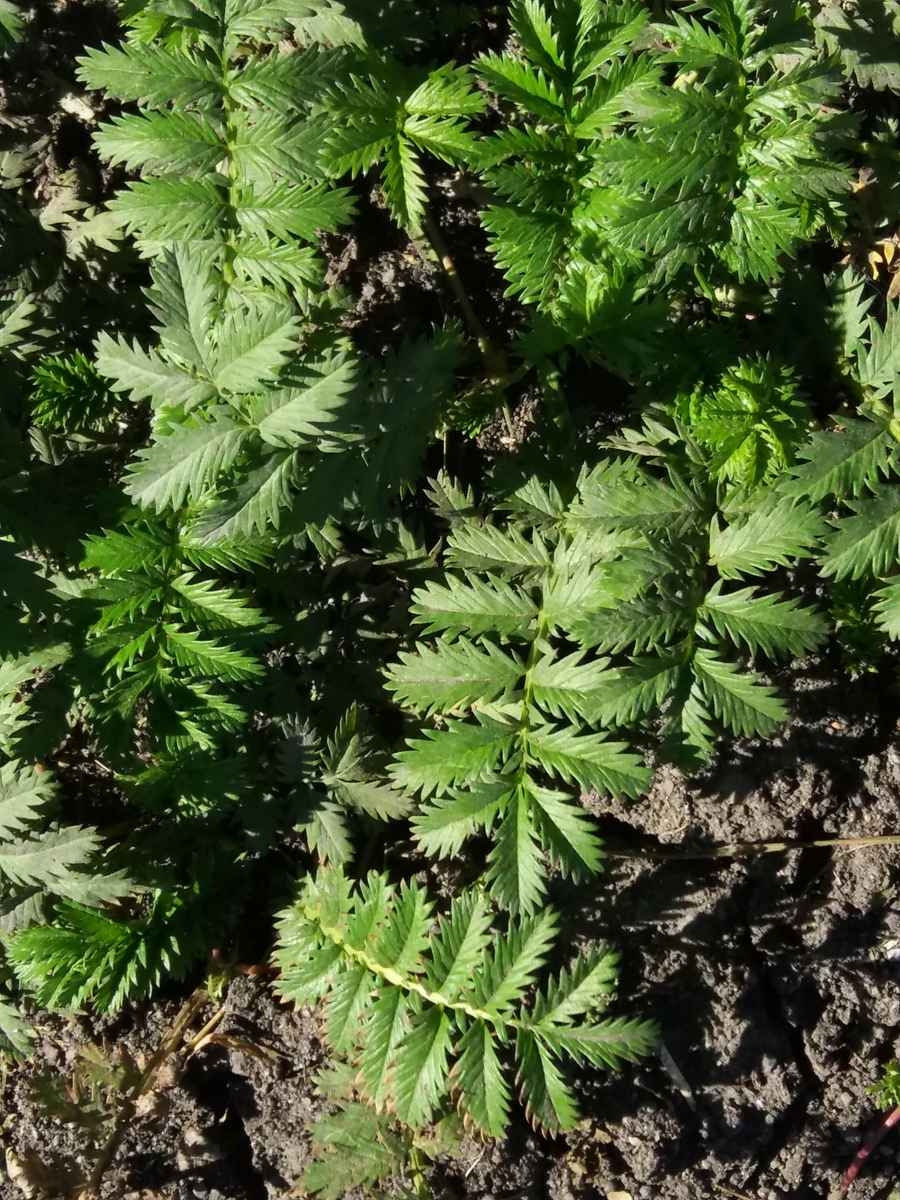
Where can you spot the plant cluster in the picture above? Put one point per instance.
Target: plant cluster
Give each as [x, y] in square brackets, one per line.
[260, 577]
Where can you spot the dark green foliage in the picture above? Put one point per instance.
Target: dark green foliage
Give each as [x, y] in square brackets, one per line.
[271, 647]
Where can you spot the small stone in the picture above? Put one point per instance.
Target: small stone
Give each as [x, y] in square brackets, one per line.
[197, 1149]
[619, 1196]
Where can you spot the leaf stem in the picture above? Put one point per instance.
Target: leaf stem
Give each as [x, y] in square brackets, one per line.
[495, 359]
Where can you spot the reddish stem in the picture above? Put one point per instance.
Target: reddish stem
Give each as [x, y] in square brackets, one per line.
[872, 1142]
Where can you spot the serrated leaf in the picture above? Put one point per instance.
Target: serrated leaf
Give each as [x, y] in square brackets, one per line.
[623, 695]
[24, 794]
[461, 753]
[146, 375]
[386, 1028]
[421, 1067]
[451, 675]
[308, 405]
[514, 962]
[844, 462]
[887, 609]
[486, 548]
[588, 760]
[764, 624]
[562, 687]
[477, 1074]
[176, 142]
[738, 697]
[458, 946]
[184, 464]
[473, 606]
[443, 825]
[516, 872]
[253, 345]
[153, 74]
[867, 543]
[775, 534]
[548, 1102]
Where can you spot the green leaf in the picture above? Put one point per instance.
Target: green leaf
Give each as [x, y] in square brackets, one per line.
[461, 753]
[442, 826]
[548, 1102]
[146, 375]
[577, 990]
[210, 656]
[171, 142]
[384, 1031]
[450, 675]
[616, 495]
[567, 833]
[184, 464]
[287, 210]
[151, 74]
[458, 946]
[407, 934]
[404, 183]
[763, 624]
[604, 1044]
[867, 543]
[486, 548]
[473, 606]
[562, 687]
[738, 696]
[623, 695]
[478, 1076]
[516, 873]
[514, 963]
[888, 609]
[588, 760]
[16, 1035]
[777, 533]
[253, 345]
[523, 85]
[421, 1067]
[24, 795]
[303, 410]
[845, 462]
[171, 210]
[346, 1004]
[255, 504]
